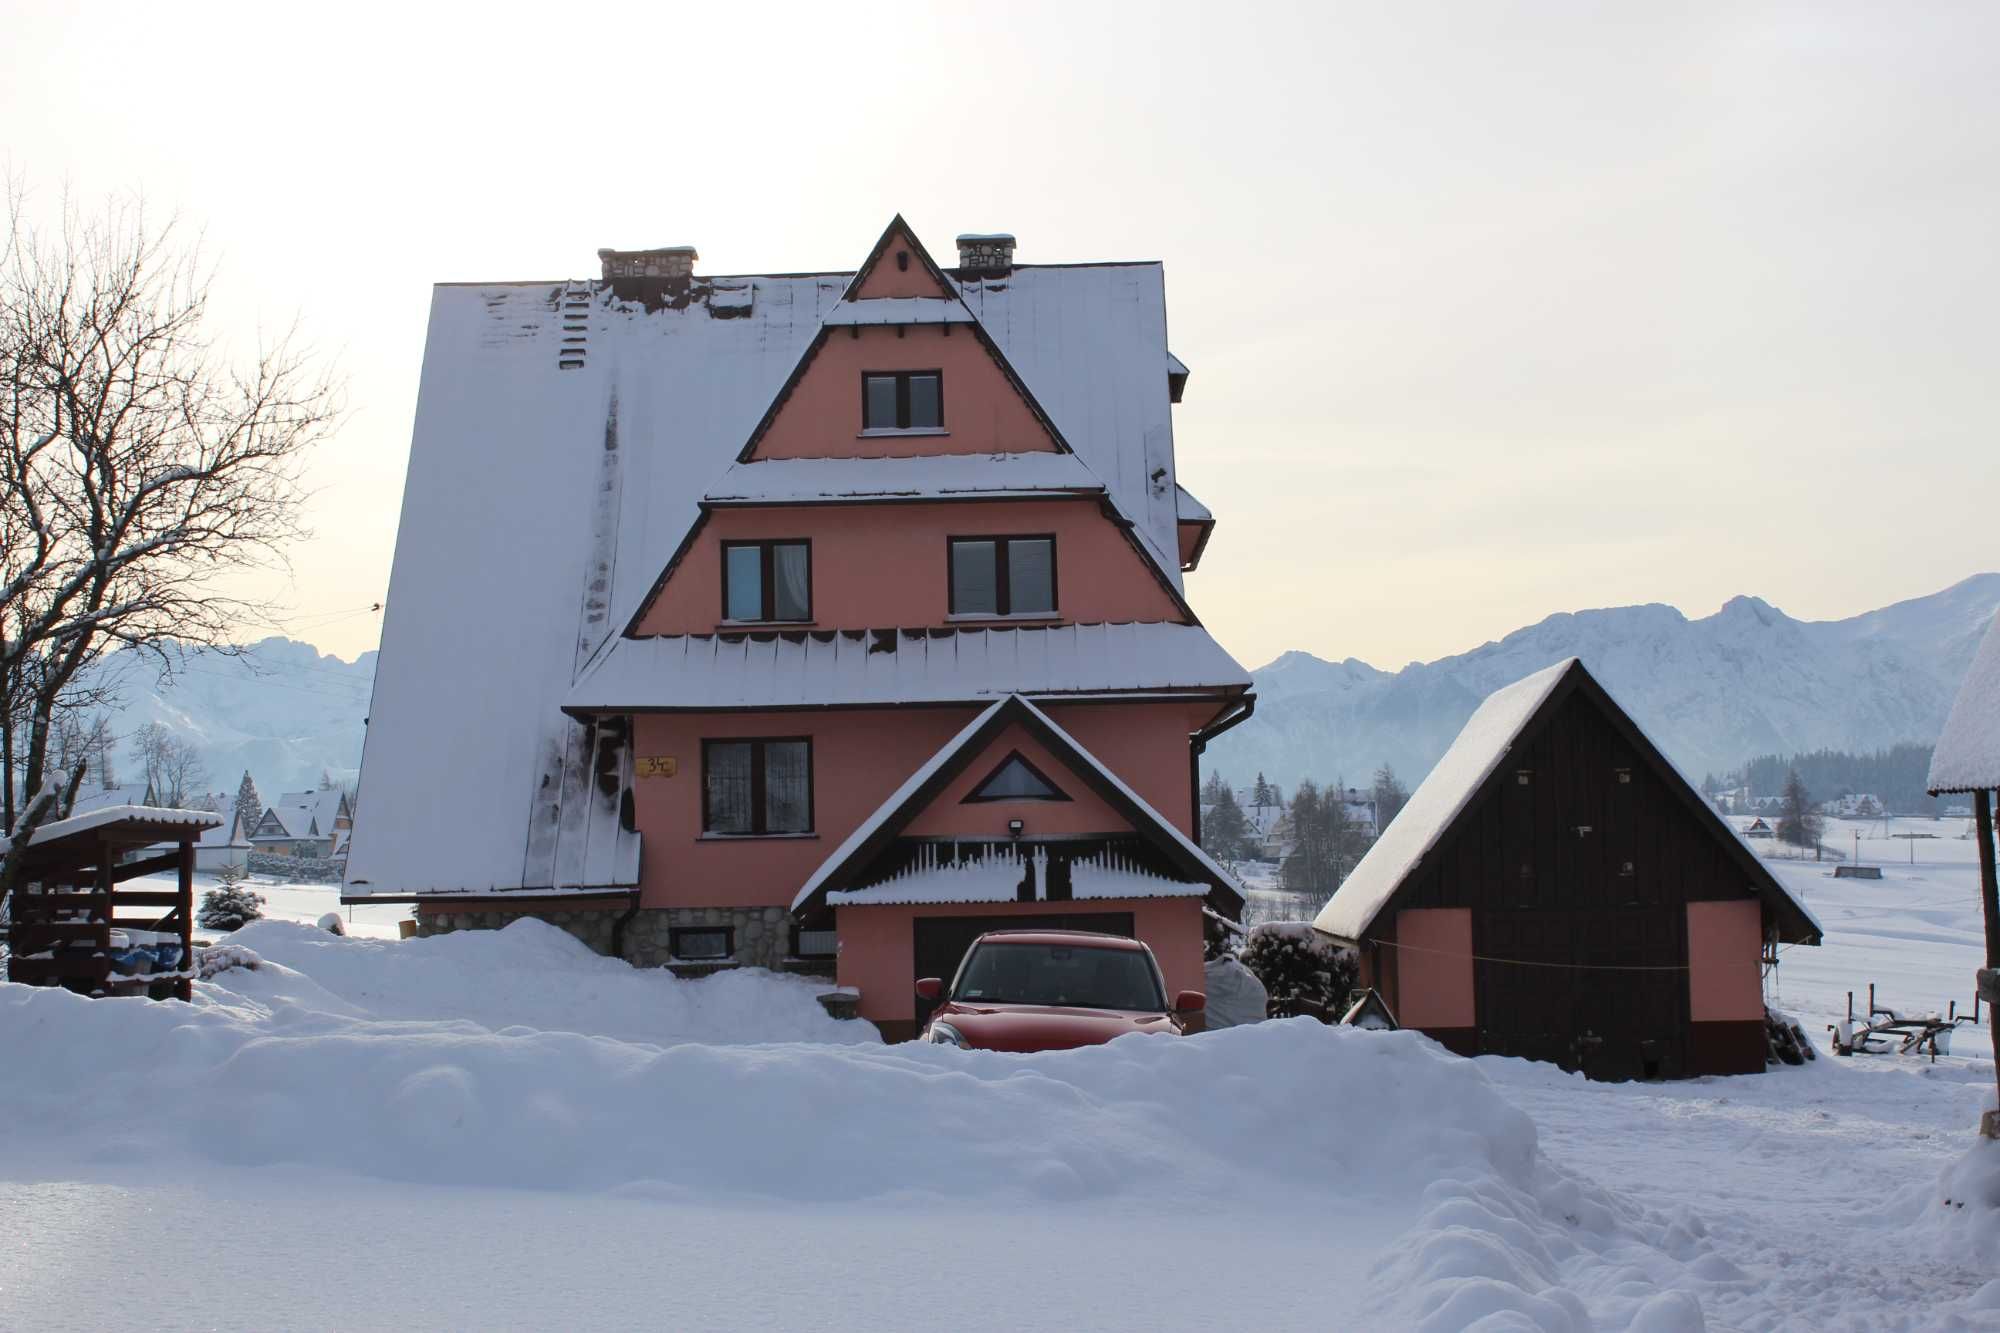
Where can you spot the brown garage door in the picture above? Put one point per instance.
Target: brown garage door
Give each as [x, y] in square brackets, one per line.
[941, 941]
[1603, 991]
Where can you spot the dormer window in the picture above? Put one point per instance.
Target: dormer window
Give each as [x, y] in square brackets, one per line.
[902, 400]
[1015, 780]
[766, 581]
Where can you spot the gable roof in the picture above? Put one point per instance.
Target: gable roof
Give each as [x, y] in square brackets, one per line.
[305, 814]
[1967, 757]
[102, 798]
[881, 247]
[876, 832]
[553, 492]
[1504, 718]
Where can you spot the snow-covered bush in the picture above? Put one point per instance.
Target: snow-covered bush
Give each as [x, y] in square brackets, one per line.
[1303, 971]
[231, 905]
[219, 958]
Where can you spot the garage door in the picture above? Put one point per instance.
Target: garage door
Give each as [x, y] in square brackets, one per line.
[941, 941]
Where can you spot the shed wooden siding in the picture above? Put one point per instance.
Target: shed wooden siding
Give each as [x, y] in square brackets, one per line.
[1621, 897]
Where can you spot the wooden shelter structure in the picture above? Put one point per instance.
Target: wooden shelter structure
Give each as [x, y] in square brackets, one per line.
[1557, 890]
[71, 900]
[1967, 761]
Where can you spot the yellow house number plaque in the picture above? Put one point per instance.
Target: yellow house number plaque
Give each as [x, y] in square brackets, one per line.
[658, 766]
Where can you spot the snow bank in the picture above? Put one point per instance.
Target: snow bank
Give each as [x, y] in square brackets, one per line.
[1967, 1206]
[531, 975]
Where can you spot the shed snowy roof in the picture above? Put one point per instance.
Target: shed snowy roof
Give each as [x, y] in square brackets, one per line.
[692, 672]
[932, 476]
[151, 818]
[564, 439]
[1443, 796]
[1967, 757]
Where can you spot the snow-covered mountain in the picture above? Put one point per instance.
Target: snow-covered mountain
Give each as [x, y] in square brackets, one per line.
[280, 708]
[1713, 692]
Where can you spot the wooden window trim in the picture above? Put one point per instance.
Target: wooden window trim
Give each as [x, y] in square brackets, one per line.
[975, 796]
[757, 792]
[1003, 592]
[767, 576]
[902, 422]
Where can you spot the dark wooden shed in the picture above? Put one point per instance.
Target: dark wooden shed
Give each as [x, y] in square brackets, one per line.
[1557, 890]
[63, 917]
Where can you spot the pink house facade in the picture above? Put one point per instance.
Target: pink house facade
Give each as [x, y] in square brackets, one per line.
[871, 637]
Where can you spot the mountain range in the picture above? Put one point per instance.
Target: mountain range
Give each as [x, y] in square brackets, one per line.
[1713, 692]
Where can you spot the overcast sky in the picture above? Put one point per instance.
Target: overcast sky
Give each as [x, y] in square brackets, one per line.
[1493, 311]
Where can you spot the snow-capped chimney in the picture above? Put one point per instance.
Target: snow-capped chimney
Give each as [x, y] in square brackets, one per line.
[981, 252]
[674, 262]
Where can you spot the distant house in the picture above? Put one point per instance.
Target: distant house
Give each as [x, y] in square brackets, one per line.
[304, 824]
[1556, 890]
[103, 798]
[1759, 828]
[224, 844]
[1275, 835]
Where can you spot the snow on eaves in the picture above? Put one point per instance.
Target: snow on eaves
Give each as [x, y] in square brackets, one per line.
[1967, 757]
[933, 476]
[888, 667]
[1437, 802]
[900, 310]
[1190, 509]
[118, 814]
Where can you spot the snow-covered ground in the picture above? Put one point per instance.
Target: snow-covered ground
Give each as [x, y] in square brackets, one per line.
[501, 1129]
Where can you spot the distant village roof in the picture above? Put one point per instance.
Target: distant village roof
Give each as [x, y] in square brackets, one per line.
[889, 666]
[1967, 757]
[927, 477]
[306, 814]
[124, 793]
[1479, 749]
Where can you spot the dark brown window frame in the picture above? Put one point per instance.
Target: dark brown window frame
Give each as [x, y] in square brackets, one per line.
[757, 744]
[902, 378]
[767, 576]
[1003, 592]
[676, 933]
[975, 797]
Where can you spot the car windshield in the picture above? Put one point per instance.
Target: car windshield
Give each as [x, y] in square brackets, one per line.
[1059, 974]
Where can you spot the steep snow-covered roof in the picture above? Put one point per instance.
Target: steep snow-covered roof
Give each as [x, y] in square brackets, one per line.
[931, 476]
[1967, 757]
[563, 441]
[306, 814]
[151, 816]
[1480, 748]
[123, 793]
[888, 666]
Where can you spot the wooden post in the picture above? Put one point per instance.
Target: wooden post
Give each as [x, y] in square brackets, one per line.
[106, 855]
[184, 988]
[1989, 904]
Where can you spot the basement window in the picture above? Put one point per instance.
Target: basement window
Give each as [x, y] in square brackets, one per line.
[702, 944]
[902, 400]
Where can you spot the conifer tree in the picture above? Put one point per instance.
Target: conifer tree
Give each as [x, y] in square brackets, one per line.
[1799, 823]
[249, 805]
[1225, 834]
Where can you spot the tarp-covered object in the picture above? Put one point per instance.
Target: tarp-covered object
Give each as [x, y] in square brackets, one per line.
[1235, 996]
[1967, 757]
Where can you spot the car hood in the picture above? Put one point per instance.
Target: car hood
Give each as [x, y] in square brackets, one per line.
[1027, 1027]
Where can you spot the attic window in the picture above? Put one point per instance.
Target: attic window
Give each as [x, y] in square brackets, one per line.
[1016, 780]
[903, 400]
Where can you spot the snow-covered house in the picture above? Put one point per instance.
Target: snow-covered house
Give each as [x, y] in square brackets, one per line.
[304, 824]
[89, 799]
[829, 617]
[1556, 889]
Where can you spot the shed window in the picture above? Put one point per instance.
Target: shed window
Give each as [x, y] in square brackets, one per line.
[752, 787]
[902, 400]
[1003, 576]
[767, 580]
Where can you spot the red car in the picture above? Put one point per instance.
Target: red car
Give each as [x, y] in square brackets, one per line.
[1049, 990]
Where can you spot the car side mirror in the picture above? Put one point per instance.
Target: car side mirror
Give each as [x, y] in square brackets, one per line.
[930, 988]
[1190, 1002]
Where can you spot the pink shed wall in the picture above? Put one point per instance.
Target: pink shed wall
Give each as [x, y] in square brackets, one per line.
[1084, 812]
[860, 757]
[1434, 967]
[983, 412]
[881, 565]
[878, 945]
[1725, 961]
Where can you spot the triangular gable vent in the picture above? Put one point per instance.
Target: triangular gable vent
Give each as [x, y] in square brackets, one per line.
[1016, 780]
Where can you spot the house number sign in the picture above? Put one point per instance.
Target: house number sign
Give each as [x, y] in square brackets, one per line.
[658, 766]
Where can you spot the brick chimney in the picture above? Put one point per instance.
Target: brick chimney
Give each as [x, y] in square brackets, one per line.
[982, 252]
[674, 262]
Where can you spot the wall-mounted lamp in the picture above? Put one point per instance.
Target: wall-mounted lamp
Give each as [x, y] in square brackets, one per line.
[1014, 827]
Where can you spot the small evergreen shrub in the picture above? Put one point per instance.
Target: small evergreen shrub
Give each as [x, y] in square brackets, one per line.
[231, 905]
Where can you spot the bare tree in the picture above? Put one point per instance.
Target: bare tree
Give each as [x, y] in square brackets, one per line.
[139, 470]
[174, 767]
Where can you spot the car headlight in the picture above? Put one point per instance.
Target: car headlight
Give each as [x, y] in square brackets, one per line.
[944, 1034]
